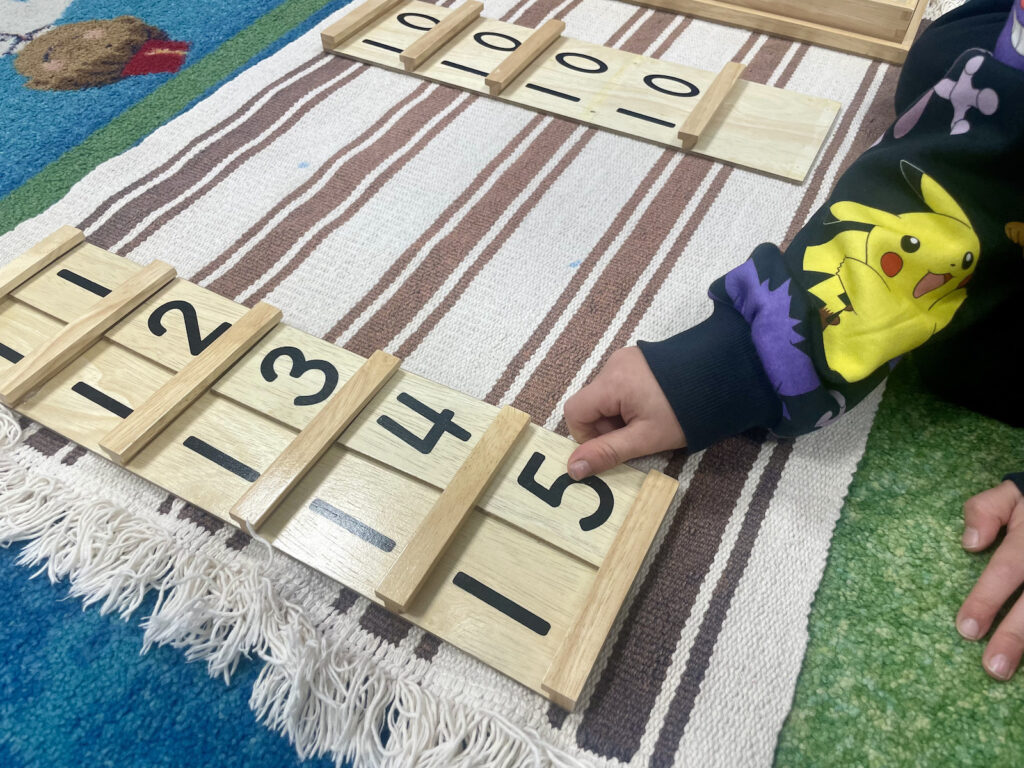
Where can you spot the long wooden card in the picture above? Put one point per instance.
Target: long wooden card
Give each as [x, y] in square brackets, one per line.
[754, 126]
[525, 568]
[881, 29]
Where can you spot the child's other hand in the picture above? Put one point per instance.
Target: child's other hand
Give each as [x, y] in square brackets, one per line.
[620, 415]
[984, 516]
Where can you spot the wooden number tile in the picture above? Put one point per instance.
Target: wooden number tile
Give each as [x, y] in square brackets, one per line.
[81, 333]
[355, 20]
[709, 103]
[436, 531]
[263, 496]
[38, 257]
[431, 41]
[575, 658]
[524, 55]
[164, 405]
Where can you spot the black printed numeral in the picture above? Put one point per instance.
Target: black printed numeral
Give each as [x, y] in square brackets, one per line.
[553, 496]
[196, 341]
[441, 422]
[300, 365]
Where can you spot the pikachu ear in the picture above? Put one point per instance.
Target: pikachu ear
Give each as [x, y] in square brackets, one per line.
[932, 193]
[848, 211]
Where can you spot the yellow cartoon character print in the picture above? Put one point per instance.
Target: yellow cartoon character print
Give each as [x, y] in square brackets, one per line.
[895, 284]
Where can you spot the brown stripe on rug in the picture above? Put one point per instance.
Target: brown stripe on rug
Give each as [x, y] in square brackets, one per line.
[538, 12]
[472, 226]
[46, 441]
[495, 244]
[393, 272]
[173, 187]
[392, 156]
[102, 208]
[616, 715]
[639, 309]
[284, 236]
[264, 250]
[576, 342]
[711, 625]
[265, 140]
[384, 624]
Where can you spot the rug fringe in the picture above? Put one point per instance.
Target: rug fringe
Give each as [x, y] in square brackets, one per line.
[325, 698]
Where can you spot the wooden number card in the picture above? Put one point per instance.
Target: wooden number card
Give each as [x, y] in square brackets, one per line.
[455, 512]
[738, 122]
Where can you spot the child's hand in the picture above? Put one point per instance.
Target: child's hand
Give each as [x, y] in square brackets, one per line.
[620, 415]
[984, 516]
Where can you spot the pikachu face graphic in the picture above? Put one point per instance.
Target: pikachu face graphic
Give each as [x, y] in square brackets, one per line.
[895, 284]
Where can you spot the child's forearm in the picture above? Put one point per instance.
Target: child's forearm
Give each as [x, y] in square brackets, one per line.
[913, 228]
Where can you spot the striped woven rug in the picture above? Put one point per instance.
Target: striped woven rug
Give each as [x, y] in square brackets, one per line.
[505, 254]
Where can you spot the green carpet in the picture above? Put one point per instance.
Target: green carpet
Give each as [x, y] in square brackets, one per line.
[887, 680]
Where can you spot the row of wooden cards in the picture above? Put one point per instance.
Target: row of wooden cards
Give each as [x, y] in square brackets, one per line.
[456, 513]
[715, 114]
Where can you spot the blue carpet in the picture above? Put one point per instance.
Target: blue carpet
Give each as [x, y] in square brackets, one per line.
[74, 691]
[40, 125]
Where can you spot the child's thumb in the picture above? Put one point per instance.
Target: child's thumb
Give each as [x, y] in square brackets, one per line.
[609, 450]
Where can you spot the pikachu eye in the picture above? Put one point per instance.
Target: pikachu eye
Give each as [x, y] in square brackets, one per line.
[968, 260]
[909, 244]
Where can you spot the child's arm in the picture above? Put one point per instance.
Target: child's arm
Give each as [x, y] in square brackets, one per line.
[620, 415]
[984, 516]
[800, 336]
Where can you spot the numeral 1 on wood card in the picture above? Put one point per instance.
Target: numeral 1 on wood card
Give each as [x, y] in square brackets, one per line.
[78, 335]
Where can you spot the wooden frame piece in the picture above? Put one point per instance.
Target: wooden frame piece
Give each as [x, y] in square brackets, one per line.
[435, 532]
[572, 663]
[269, 490]
[523, 56]
[432, 40]
[38, 257]
[355, 20]
[879, 29]
[78, 335]
[161, 408]
[709, 103]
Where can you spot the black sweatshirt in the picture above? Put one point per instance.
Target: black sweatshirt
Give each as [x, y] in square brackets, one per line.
[917, 248]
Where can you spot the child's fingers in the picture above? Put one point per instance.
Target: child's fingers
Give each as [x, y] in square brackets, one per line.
[590, 409]
[609, 450]
[1002, 655]
[986, 513]
[1000, 579]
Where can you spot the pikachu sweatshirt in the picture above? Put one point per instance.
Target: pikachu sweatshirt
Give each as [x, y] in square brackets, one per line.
[917, 248]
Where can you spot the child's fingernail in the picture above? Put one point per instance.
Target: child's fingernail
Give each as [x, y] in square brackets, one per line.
[970, 538]
[968, 628]
[999, 666]
[579, 470]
